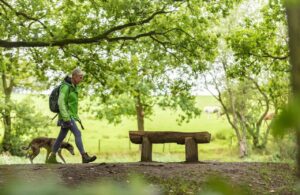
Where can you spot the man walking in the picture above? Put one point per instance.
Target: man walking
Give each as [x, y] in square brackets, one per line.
[68, 115]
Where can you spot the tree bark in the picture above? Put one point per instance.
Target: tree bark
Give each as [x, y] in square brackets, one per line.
[265, 138]
[293, 15]
[240, 134]
[140, 114]
[243, 146]
[6, 143]
[6, 115]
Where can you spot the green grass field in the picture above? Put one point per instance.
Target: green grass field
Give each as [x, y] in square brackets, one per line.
[111, 143]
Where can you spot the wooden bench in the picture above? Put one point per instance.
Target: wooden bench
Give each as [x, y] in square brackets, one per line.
[191, 141]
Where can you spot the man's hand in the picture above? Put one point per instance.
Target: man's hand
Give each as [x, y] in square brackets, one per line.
[67, 124]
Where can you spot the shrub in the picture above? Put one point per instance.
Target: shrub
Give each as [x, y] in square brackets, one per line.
[220, 135]
[27, 123]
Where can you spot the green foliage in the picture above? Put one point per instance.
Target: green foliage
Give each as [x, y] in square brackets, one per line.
[124, 62]
[288, 119]
[257, 70]
[17, 73]
[27, 123]
[113, 109]
[285, 148]
[260, 46]
[220, 136]
[247, 107]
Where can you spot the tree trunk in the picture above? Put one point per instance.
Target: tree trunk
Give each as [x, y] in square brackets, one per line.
[293, 15]
[243, 140]
[255, 141]
[239, 130]
[7, 88]
[6, 143]
[241, 136]
[140, 114]
[243, 146]
[265, 138]
[256, 136]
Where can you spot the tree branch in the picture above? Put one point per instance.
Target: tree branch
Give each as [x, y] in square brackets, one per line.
[266, 55]
[27, 17]
[102, 37]
[258, 123]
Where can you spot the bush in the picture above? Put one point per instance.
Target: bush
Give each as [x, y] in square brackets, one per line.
[286, 147]
[27, 123]
[220, 135]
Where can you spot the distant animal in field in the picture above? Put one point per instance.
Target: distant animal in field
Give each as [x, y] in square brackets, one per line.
[269, 116]
[47, 143]
[212, 110]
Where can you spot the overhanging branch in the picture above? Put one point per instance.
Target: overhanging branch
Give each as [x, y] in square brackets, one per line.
[61, 43]
[102, 37]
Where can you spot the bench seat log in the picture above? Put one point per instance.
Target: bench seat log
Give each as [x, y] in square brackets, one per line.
[191, 140]
[168, 136]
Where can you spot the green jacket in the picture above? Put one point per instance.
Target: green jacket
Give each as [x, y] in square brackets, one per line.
[68, 101]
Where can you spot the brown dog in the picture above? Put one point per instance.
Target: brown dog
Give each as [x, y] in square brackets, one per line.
[47, 143]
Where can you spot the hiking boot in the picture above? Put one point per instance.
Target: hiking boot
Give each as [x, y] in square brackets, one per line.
[86, 158]
[52, 159]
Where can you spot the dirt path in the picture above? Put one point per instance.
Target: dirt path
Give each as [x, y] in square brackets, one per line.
[273, 178]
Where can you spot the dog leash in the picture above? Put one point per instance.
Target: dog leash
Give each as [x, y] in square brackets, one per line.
[79, 121]
[48, 123]
[54, 117]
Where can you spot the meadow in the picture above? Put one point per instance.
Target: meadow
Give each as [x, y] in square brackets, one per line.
[111, 143]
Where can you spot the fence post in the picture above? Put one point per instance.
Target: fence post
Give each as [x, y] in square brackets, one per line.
[163, 147]
[99, 146]
[129, 145]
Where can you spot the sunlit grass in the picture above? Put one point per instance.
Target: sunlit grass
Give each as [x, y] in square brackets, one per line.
[111, 143]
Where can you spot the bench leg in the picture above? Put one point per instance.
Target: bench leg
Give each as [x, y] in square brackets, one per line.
[146, 150]
[191, 150]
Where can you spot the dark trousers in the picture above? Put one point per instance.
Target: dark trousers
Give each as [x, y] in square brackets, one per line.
[62, 134]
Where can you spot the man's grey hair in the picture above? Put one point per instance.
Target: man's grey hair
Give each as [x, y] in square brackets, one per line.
[77, 71]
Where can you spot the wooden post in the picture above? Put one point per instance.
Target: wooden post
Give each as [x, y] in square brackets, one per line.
[99, 145]
[146, 149]
[129, 145]
[191, 150]
[163, 147]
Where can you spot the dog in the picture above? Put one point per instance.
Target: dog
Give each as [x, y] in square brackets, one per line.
[47, 143]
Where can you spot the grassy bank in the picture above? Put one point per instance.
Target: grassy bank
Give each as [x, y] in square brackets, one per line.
[111, 143]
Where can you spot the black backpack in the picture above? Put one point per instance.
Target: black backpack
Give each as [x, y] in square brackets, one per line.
[53, 99]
